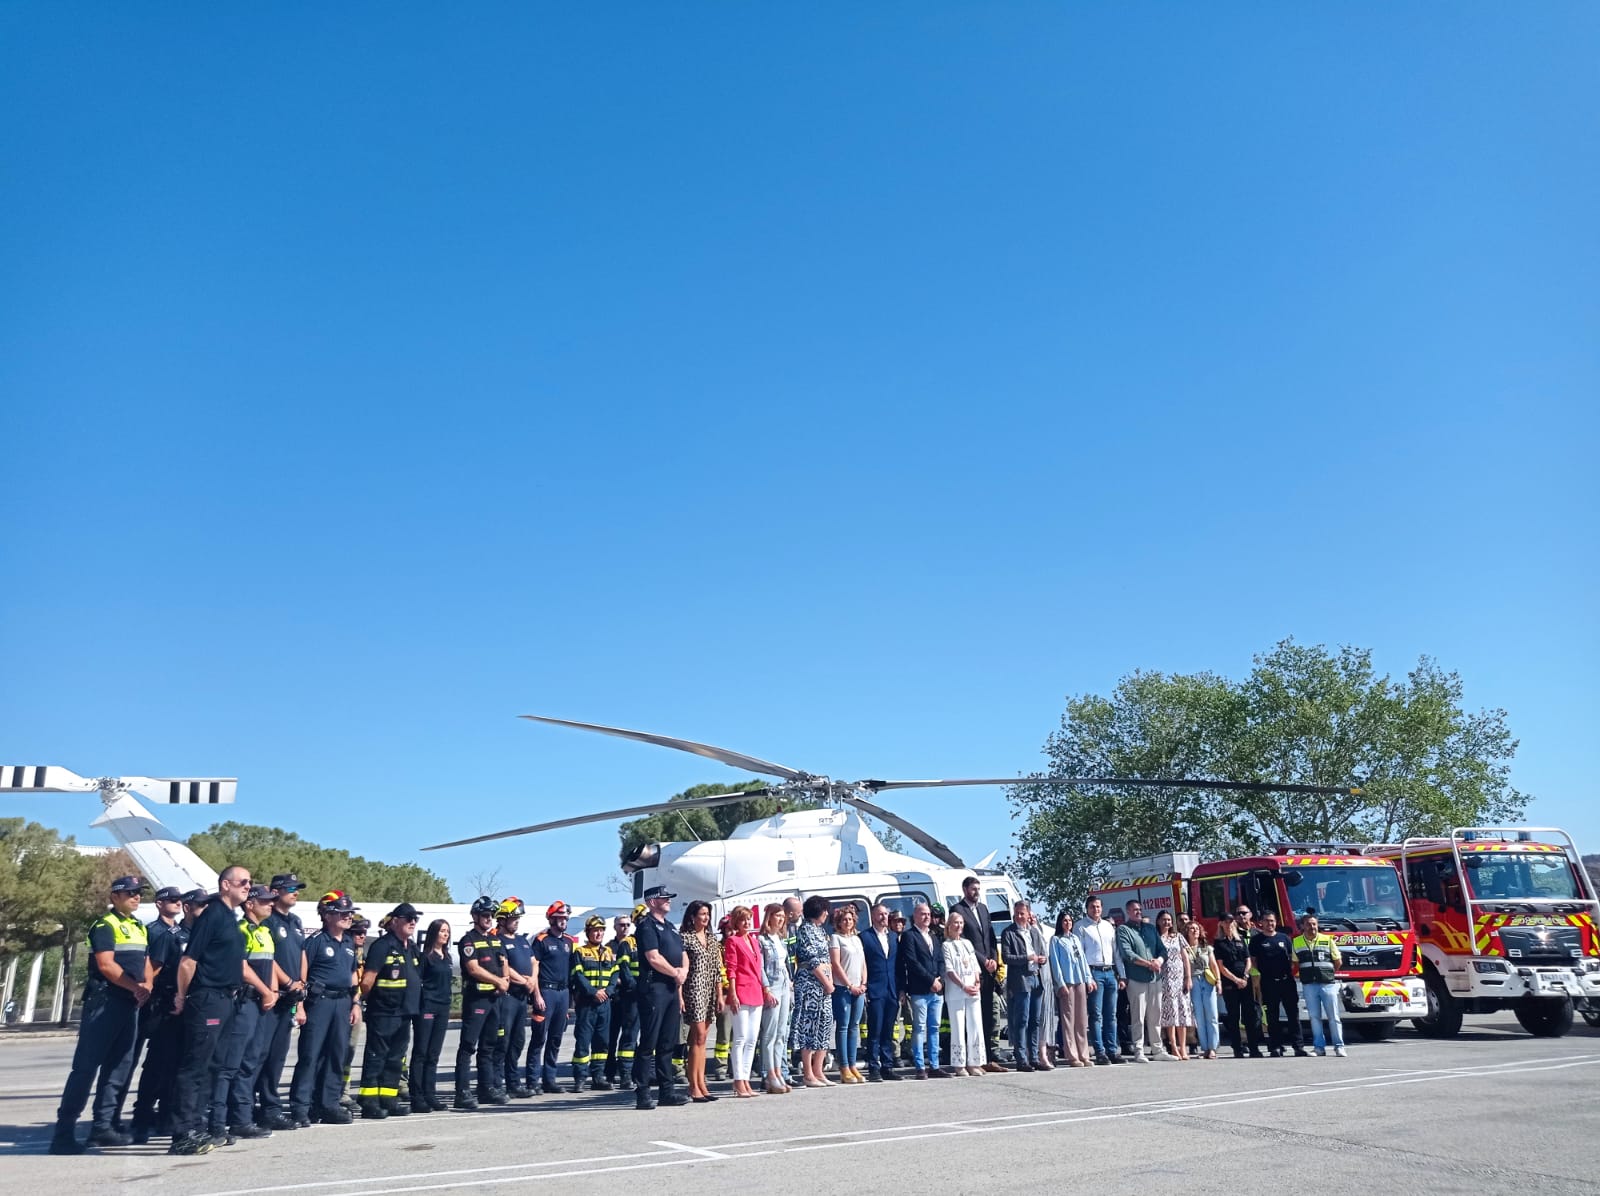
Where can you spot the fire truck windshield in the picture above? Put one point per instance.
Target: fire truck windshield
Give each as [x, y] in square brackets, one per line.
[1348, 897]
[1521, 876]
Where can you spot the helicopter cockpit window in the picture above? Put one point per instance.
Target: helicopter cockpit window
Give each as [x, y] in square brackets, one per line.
[999, 902]
[903, 903]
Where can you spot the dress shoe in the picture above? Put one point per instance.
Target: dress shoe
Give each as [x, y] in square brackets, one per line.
[1024, 1067]
[921, 1073]
[674, 1098]
[994, 1068]
[939, 1073]
[108, 1136]
[890, 1073]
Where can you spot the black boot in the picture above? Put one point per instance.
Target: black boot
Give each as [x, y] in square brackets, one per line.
[372, 1110]
[396, 1107]
[65, 1140]
[643, 1098]
[105, 1135]
[671, 1096]
[465, 1100]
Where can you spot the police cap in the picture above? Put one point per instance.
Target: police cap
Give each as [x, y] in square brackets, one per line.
[127, 884]
[655, 891]
[169, 893]
[287, 882]
[195, 897]
[405, 911]
[261, 893]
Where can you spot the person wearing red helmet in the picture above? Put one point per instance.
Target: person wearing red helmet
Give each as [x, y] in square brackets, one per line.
[552, 975]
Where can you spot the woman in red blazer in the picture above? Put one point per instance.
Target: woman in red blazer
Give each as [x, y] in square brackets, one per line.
[745, 996]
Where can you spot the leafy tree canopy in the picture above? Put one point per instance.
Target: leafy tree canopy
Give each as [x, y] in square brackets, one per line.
[681, 826]
[267, 850]
[1304, 715]
[42, 879]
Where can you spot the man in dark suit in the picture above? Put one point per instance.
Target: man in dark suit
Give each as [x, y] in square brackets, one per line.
[881, 946]
[919, 973]
[979, 931]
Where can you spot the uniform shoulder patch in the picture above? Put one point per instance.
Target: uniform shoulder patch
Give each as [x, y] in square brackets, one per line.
[466, 949]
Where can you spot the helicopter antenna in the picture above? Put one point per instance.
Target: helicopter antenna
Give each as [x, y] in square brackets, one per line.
[688, 824]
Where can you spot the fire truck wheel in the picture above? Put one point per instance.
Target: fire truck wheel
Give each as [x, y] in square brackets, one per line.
[1592, 1016]
[1372, 1031]
[1545, 1018]
[1444, 1011]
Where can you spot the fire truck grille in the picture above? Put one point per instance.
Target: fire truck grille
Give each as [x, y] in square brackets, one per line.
[1541, 945]
[1372, 959]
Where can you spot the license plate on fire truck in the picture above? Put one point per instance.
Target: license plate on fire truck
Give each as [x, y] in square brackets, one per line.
[1388, 999]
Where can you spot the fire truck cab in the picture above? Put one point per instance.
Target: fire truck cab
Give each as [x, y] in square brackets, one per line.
[1361, 906]
[1505, 918]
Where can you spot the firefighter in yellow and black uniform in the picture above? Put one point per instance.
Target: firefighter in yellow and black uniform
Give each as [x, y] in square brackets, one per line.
[391, 982]
[594, 983]
[624, 1035]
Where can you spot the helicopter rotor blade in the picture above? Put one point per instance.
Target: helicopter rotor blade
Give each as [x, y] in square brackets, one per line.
[723, 755]
[693, 803]
[940, 851]
[1142, 782]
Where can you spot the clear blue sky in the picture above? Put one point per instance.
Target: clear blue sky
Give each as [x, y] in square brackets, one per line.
[847, 384]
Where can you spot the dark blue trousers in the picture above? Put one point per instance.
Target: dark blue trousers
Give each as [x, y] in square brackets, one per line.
[544, 1042]
[105, 1049]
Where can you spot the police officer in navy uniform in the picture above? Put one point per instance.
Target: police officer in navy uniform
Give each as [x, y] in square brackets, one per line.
[512, 1032]
[240, 1054]
[289, 946]
[623, 1035]
[662, 969]
[209, 979]
[552, 977]
[391, 982]
[117, 987]
[331, 1011]
[483, 980]
[158, 1025]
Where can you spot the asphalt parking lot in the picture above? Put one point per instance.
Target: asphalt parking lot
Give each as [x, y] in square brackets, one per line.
[1491, 1110]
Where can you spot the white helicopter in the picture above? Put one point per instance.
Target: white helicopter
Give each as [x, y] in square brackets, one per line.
[830, 851]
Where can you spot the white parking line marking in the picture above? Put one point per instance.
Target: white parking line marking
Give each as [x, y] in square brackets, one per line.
[702, 1151]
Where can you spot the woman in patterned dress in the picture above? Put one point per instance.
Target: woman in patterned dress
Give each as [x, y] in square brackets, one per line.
[812, 1033]
[699, 994]
[1177, 1015]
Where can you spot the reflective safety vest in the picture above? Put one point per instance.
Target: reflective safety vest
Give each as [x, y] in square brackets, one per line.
[594, 971]
[1316, 959]
[259, 950]
[129, 943]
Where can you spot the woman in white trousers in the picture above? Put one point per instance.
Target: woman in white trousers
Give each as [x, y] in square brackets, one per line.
[961, 988]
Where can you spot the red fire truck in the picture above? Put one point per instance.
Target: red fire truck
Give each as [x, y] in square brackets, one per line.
[1360, 905]
[1506, 920]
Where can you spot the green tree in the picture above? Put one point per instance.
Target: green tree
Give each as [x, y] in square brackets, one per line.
[681, 826]
[42, 880]
[1303, 715]
[267, 850]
